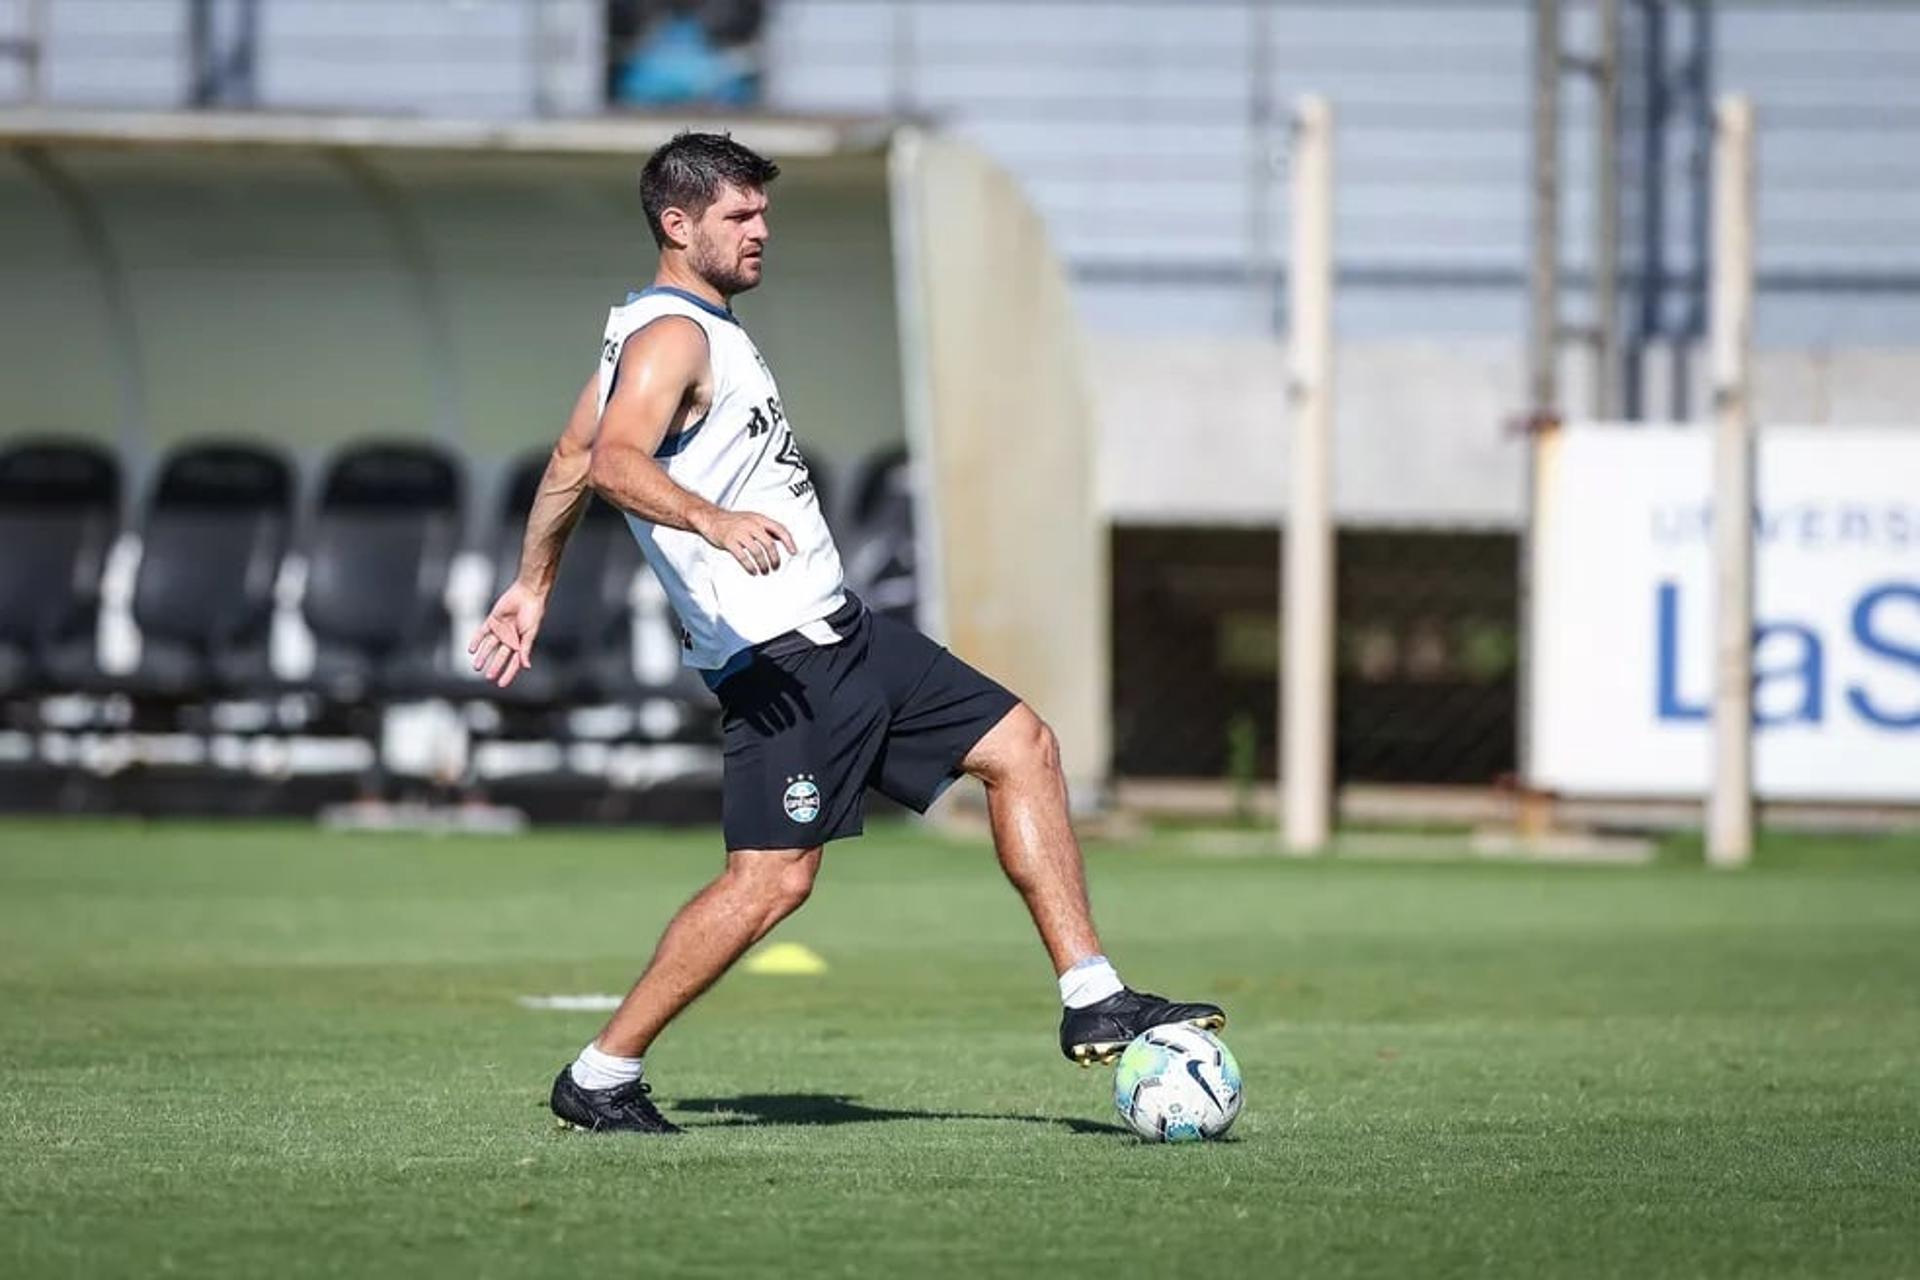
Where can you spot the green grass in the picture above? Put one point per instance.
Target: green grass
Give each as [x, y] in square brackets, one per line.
[267, 1051]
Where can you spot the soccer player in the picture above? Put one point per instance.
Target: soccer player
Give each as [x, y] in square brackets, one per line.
[681, 427]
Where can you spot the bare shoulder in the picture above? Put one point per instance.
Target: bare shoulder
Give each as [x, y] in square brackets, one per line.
[670, 344]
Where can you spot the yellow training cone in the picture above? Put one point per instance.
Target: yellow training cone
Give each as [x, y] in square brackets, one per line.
[785, 957]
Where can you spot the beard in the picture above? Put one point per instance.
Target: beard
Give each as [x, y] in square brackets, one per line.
[730, 275]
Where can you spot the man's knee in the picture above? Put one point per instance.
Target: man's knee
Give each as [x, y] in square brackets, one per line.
[778, 880]
[1021, 745]
[796, 880]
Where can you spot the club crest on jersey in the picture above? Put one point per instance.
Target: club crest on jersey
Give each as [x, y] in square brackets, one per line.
[802, 799]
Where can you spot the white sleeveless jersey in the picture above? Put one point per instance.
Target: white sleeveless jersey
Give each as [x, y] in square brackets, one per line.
[740, 456]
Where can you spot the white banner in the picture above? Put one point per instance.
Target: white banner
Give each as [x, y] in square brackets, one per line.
[1621, 621]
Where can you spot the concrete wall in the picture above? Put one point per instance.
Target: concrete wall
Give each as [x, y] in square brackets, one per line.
[1196, 433]
[1006, 436]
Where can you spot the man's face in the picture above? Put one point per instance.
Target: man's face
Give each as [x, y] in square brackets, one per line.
[727, 241]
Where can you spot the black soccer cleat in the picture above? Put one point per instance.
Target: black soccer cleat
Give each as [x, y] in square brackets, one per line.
[622, 1109]
[1101, 1032]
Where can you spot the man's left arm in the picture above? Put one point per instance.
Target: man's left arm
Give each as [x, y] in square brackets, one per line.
[503, 646]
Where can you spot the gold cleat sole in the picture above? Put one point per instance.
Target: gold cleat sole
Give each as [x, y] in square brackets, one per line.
[1104, 1055]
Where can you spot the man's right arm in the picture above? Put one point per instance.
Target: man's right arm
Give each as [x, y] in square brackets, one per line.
[562, 496]
[611, 452]
[503, 646]
[661, 368]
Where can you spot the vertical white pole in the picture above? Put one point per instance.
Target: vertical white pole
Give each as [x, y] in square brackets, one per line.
[1307, 602]
[1535, 814]
[1730, 805]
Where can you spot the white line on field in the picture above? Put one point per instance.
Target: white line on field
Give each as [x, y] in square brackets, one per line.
[572, 1004]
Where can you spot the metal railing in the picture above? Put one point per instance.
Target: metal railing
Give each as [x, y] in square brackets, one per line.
[23, 45]
[492, 58]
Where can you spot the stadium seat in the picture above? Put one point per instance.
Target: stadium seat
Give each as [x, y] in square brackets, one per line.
[576, 619]
[385, 531]
[59, 511]
[633, 606]
[586, 663]
[214, 537]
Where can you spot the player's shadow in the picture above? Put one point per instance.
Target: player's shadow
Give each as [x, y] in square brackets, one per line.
[834, 1108]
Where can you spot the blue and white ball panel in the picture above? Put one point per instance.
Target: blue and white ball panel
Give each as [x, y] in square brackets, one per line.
[1177, 1084]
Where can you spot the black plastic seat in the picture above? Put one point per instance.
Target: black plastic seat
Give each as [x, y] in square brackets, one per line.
[616, 672]
[59, 512]
[575, 621]
[215, 534]
[385, 532]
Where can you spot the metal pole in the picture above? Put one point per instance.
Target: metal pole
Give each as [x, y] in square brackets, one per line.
[1650, 312]
[1543, 381]
[1699, 98]
[1306, 702]
[200, 76]
[34, 51]
[540, 97]
[1543, 390]
[901, 59]
[1730, 805]
[1606, 222]
[246, 58]
[1263, 266]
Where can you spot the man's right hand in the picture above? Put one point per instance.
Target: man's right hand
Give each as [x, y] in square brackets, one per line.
[749, 537]
[503, 646]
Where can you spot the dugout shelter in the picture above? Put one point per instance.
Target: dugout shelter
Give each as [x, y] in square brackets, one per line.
[306, 284]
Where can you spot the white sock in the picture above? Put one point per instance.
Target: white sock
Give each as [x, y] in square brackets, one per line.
[596, 1070]
[1089, 982]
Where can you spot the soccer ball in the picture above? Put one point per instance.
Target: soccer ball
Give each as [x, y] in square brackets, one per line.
[1177, 1084]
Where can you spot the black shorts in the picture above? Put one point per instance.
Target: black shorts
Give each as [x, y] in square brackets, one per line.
[808, 728]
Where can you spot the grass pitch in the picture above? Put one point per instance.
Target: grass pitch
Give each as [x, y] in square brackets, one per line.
[268, 1051]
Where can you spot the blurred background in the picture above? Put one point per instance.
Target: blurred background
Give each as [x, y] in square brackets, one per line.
[294, 295]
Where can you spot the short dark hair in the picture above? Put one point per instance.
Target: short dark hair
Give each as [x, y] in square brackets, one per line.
[689, 171]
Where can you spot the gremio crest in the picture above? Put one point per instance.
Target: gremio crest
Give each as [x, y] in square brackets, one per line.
[802, 798]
